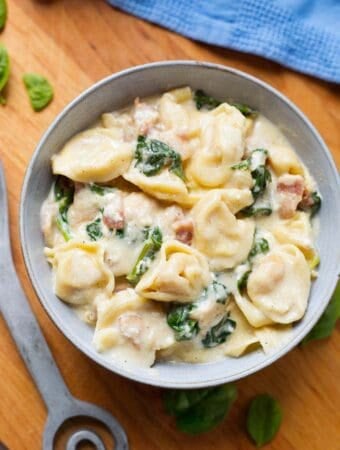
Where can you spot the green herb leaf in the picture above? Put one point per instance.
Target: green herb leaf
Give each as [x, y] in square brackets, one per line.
[3, 14]
[264, 419]
[243, 165]
[261, 177]
[327, 321]
[313, 204]
[220, 292]
[250, 211]
[120, 233]
[63, 194]
[203, 100]
[4, 71]
[39, 90]
[243, 280]
[94, 230]
[200, 410]
[219, 333]
[152, 155]
[246, 110]
[178, 319]
[259, 246]
[152, 245]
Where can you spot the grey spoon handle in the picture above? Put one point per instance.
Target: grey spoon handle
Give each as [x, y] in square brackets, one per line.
[22, 324]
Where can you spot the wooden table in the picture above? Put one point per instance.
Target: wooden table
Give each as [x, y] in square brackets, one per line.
[75, 43]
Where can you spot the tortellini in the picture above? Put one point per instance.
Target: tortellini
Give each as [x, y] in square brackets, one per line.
[222, 145]
[132, 327]
[225, 240]
[95, 155]
[164, 186]
[180, 229]
[279, 284]
[80, 272]
[179, 275]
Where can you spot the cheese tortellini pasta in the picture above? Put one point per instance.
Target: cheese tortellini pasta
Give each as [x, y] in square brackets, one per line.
[181, 228]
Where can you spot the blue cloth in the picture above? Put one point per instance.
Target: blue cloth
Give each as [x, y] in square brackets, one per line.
[301, 34]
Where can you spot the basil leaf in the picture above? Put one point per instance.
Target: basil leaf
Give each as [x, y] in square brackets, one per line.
[4, 71]
[153, 243]
[39, 90]
[3, 14]
[200, 410]
[179, 320]
[94, 230]
[327, 321]
[218, 334]
[152, 155]
[63, 194]
[263, 419]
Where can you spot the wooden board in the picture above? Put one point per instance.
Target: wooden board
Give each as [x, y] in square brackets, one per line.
[75, 43]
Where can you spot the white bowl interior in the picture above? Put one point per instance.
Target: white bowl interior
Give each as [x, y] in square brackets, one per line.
[223, 83]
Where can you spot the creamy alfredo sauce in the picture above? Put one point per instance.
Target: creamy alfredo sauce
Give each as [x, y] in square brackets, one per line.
[180, 229]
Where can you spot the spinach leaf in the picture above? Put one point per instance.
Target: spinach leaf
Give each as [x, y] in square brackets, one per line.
[100, 190]
[220, 292]
[152, 245]
[178, 319]
[152, 155]
[203, 100]
[246, 110]
[243, 280]
[313, 205]
[39, 90]
[120, 233]
[327, 321]
[256, 211]
[3, 14]
[4, 71]
[260, 246]
[261, 177]
[94, 230]
[243, 165]
[219, 333]
[263, 419]
[200, 410]
[63, 194]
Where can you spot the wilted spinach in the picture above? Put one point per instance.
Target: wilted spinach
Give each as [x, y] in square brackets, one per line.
[202, 100]
[151, 246]
[100, 190]
[39, 89]
[94, 230]
[200, 410]
[152, 155]
[263, 419]
[179, 320]
[63, 194]
[313, 206]
[219, 332]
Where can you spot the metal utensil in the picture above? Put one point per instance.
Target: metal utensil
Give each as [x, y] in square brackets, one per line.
[37, 356]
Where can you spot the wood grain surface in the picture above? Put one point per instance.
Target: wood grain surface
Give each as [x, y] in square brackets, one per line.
[75, 43]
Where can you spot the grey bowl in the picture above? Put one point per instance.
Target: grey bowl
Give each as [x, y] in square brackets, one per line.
[119, 90]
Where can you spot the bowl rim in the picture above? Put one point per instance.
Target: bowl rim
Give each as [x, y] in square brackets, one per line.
[119, 370]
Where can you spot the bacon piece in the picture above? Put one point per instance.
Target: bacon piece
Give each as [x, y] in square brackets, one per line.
[184, 229]
[113, 215]
[290, 190]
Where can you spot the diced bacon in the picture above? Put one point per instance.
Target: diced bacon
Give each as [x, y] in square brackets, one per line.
[131, 326]
[113, 215]
[145, 116]
[184, 230]
[290, 190]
